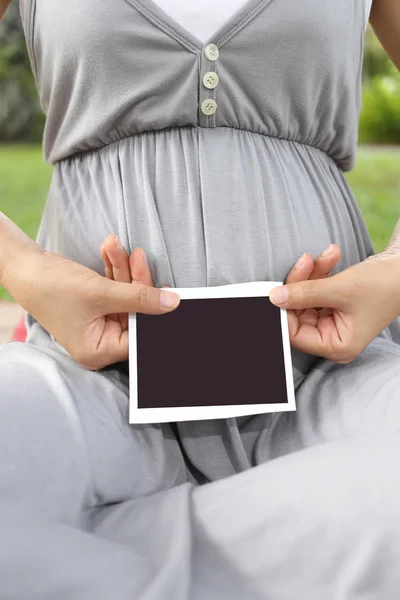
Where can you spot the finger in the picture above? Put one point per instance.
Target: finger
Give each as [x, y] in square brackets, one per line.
[324, 262]
[139, 267]
[309, 316]
[305, 317]
[309, 339]
[325, 340]
[116, 297]
[301, 270]
[119, 259]
[293, 323]
[319, 339]
[120, 347]
[108, 270]
[114, 344]
[326, 293]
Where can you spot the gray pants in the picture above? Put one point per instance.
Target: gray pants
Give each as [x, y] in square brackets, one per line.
[92, 508]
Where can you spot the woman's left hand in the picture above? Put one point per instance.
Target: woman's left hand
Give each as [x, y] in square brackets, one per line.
[337, 317]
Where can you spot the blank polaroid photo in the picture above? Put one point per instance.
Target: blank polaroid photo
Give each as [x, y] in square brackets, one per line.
[224, 352]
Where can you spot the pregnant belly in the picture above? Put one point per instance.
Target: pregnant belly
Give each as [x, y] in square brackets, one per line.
[209, 206]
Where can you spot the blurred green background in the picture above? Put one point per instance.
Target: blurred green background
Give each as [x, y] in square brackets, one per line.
[24, 177]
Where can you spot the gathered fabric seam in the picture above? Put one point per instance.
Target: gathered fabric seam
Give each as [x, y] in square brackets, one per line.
[194, 127]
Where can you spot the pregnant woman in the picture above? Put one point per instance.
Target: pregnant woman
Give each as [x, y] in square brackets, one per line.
[214, 136]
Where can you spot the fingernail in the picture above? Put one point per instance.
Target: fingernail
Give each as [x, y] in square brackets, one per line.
[169, 299]
[118, 244]
[279, 295]
[327, 252]
[144, 257]
[300, 261]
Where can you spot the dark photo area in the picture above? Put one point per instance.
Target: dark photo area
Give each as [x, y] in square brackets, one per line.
[211, 352]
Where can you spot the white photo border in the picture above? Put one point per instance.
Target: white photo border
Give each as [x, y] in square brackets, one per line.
[193, 413]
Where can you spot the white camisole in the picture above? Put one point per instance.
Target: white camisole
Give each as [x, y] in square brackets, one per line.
[202, 18]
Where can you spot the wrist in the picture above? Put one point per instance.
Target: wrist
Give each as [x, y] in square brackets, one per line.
[19, 272]
[394, 243]
[389, 260]
[16, 250]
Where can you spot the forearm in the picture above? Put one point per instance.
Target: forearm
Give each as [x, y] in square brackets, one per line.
[393, 249]
[394, 245]
[4, 4]
[388, 275]
[16, 252]
[385, 20]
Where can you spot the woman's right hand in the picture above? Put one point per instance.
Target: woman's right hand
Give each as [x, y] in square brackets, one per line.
[78, 306]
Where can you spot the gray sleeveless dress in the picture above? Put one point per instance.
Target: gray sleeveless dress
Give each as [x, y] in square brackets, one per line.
[219, 185]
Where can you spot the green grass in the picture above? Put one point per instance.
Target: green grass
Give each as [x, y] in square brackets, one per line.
[24, 182]
[375, 181]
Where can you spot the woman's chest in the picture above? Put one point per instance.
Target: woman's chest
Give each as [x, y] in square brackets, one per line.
[94, 28]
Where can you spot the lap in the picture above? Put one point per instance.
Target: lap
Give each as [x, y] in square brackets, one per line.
[65, 432]
[67, 427]
[362, 397]
[333, 508]
[339, 401]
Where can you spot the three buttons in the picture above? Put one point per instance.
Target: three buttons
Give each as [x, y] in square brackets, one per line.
[210, 80]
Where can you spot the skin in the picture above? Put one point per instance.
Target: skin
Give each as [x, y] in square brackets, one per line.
[4, 4]
[385, 21]
[357, 304]
[335, 317]
[73, 303]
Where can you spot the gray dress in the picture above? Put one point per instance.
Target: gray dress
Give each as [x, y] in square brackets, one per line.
[295, 505]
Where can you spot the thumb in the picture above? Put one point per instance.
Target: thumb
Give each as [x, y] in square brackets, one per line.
[318, 293]
[116, 297]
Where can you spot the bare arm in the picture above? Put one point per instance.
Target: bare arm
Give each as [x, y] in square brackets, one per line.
[4, 4]
[385, 20]
[14, 244]
[75, 304]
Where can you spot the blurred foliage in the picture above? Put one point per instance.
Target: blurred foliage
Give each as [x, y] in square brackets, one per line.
[380, 114]
[376, 61]
[21, 118]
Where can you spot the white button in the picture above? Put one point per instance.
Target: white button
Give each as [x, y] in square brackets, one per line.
[209, 106]
[210, 80]
[211, 51]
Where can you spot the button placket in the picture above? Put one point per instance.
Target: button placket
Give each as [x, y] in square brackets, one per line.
[209, 81]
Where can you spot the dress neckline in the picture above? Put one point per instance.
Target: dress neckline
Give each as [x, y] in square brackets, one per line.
[232, 25]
